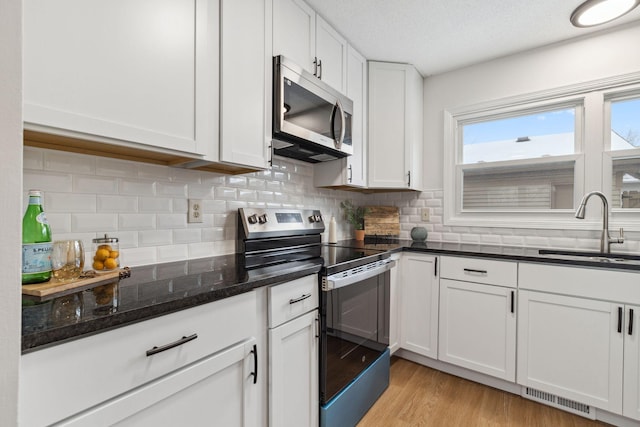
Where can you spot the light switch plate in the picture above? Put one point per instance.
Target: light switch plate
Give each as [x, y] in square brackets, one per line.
[425, 214]
[194, 214]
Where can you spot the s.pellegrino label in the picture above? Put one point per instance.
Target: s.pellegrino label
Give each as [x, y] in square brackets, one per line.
[36, 242]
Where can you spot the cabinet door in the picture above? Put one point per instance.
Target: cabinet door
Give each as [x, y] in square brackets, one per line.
[571, 347]
[419, 305]
[140, 71]
[350, 171]
[293, 373]
[214, 391]
[631, 406]
[294, 32]
[395, 126]
[245, 88]
[478, 327]
[331, 51]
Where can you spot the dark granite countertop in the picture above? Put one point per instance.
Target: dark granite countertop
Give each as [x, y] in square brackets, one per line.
[151, 291]
[160, 289]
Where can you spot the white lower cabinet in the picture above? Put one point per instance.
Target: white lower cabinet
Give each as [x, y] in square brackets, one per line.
[419, 304]
[571, 347]
[117, 376]
[293, 353]
[293, 372]
[221, 383]
[631, 392]
[478, 327]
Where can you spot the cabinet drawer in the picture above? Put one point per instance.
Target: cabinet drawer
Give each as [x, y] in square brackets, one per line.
[480, 270]
[68, 378]
[289, 300]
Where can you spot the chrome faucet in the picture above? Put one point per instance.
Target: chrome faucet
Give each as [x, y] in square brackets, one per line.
[605, 238]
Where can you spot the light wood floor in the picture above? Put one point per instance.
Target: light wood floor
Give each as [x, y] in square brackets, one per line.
[420, 396]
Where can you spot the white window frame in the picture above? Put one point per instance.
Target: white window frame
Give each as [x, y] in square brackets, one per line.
[592, 154]
[624, 217]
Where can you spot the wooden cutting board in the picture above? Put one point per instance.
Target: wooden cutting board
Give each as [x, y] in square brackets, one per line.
[382, 221]
[55, 288]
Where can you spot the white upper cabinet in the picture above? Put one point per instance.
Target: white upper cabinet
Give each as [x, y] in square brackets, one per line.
[395, 137]
[138, 71]
[350, 171]
[186, 78]
[308, 40]
[245, 83]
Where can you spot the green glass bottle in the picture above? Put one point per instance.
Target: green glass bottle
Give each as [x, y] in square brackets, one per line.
[36, 242]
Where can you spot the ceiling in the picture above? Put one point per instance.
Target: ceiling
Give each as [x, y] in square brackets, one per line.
[441, 35]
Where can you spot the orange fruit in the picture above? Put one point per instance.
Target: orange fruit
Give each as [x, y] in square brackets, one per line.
[102, 254]
[114, 254]
[110, 263]
[107, 247]
[98, 265]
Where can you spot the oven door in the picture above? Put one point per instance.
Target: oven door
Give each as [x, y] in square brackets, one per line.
[355, 331]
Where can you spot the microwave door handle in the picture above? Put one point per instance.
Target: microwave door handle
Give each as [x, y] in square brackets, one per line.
[338, 141]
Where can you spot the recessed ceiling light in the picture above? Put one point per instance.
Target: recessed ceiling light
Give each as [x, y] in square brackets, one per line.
[596, 12]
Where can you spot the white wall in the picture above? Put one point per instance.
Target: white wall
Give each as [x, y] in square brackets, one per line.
[599, 56]
[11, 195]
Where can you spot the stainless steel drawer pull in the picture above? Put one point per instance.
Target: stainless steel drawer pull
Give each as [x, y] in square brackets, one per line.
[471, 270]
[177, 343]
[302, 298]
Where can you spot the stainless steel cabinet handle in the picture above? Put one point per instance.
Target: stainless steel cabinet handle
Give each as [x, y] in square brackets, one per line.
[320, 69]
[513, 301]
[409, 181]
[630, 321]
[471, 270]
[619, 320]
[177, 343]
[350, 174]
[315, 66]
[302, 298]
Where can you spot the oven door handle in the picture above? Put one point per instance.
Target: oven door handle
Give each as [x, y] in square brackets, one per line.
[339, 280]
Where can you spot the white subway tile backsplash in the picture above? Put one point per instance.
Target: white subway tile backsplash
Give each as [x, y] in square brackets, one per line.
[225, 193]
[59, 222]
[137, 187]
[181, 205]
[115, 168]
[156, 205]
[247, 195]
[69, 202]
[139, 256]
[173, 253]
[200, 191]
[81, 223]
[93, 184]
[117, 204]
[201, 250]
[69, 162]
[155, 237]
[187, 235]
[146, 221]
[236, 181]
[213, 234]
[214, 206]
[173, 189]
[47, 181]
[171, 221]
[32, 158]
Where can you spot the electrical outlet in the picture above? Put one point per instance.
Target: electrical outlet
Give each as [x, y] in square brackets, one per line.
[425, 214]
[195, 211]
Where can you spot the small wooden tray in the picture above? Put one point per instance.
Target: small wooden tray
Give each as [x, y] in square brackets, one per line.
[89, 279]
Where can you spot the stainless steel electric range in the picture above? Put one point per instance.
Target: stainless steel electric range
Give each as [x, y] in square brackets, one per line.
[354, 304]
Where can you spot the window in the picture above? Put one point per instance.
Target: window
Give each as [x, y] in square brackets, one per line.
[624, 143]
[519, 162]
[526, 161]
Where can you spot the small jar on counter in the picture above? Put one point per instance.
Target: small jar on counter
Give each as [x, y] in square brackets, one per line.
[106, 254]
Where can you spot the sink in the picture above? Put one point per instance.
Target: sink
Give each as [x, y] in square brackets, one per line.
[616, 258]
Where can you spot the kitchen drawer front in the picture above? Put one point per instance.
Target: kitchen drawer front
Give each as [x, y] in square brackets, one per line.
[68, 378]
[289, 300]
[479, 270]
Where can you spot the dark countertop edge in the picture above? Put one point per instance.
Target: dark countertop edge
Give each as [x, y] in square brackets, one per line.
[527, 258]
[39, 340]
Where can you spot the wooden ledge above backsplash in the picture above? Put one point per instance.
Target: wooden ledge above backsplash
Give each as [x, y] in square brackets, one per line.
[103, 149]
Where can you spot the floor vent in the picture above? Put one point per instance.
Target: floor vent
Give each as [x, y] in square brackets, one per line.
[559, 402]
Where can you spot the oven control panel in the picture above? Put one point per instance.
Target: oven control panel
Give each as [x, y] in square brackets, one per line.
[271, 222]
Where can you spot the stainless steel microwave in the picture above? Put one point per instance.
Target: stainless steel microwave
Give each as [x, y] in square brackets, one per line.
[311, 120]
